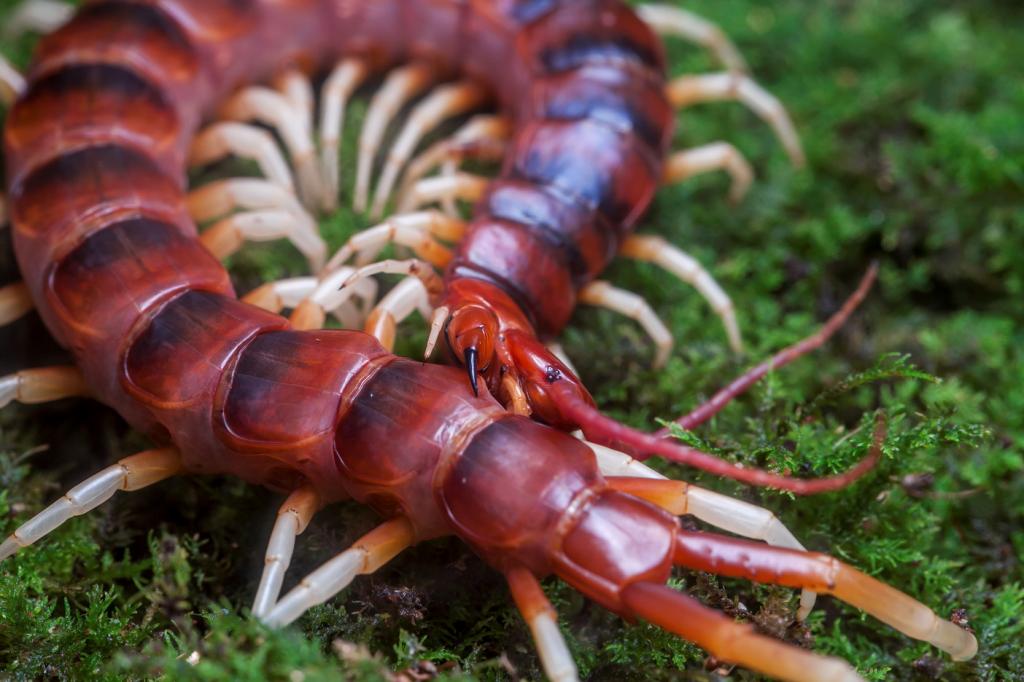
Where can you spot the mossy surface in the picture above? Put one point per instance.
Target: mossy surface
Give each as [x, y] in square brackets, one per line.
[910, 114]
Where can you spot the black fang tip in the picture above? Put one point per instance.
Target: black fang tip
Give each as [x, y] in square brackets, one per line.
[470, 354]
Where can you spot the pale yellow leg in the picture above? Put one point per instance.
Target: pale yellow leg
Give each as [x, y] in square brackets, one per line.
[12, 83]
[246, 142]
[462, 186]
[14, 302]
[654, 249]
[270, 212]
[368, 554]
[542, 620]
[483, 137]
[338, 89]
[408, 296]
[37, 16]
[732, 86]
[418, 231]
[293, 517]
[131, 473]
[445, 102]
[276, 110]
[676, 22]
[42, 385]
[400, 87]
[602, 294]
[294, 292]
[711, 157]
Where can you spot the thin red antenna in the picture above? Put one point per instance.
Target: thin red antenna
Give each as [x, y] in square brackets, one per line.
[724, 396]
[597, 427]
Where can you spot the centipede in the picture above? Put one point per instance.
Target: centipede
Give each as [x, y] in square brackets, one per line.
[110, 115]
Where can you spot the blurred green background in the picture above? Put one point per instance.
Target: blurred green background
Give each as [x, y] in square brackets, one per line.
[910, 112]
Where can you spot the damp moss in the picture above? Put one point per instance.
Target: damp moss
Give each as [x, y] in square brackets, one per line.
[910, 114]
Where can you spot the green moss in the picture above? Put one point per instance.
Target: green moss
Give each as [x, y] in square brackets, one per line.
[910, 114]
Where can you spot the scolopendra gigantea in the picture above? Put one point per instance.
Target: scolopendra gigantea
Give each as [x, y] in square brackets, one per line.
[254, 353]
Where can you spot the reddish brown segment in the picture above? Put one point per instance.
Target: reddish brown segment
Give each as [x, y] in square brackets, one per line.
[107, 249]
[582, 168]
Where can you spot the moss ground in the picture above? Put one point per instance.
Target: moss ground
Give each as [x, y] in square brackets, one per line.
[910, 113]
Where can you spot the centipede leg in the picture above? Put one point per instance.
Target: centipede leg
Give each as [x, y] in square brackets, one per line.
[730, 641]
[408, 296]
[400, 87]
[482, 137]
[542, 620]
[244, 141]
[445, 102]
[14, 302]
[11, 82]
[691, 27]
[274, 109]
[653, 249]
[822, 573]
[296, 291]
[711, 157]
[37, 16]
[131, 473]
[431, 281]
[736, 516]
[721, 511]
[292, 519]
[731, 86]
[450, 186]
[42, 385]
[278, 215]
[415, 230]
[343, 80]
[603, 294]
[369, 553]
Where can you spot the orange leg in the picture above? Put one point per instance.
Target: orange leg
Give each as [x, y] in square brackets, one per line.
[822, 573]
[728, 640]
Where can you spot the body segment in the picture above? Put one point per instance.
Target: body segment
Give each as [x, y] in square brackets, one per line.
[96, 149]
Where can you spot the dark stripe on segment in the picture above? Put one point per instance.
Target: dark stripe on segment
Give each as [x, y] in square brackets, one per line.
[506, 459]
[627, 100]
[286, 387]
[79, 191]
[528, 11]
[590, 161]
[135, 35]
[590, 32]
[522, 263]
[178, 358]
[584, 236]
[90, 104]
[401, 418]
[119, 272]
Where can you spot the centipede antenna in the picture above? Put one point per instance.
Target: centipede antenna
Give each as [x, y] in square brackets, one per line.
[471, 356]
[602, 429]
[705, 411]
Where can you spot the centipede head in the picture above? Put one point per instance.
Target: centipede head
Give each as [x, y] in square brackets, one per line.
[490, 336]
